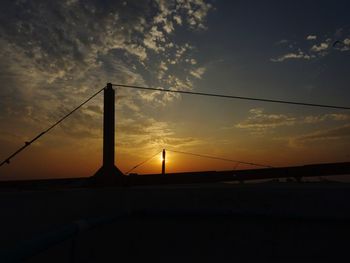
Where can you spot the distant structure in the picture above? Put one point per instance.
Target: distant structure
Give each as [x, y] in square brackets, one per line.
[163, 162]
[108, 168]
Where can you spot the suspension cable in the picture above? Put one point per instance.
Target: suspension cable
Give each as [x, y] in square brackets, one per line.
[235, 97]
[26, 144]
[143, 162]
[221, 159]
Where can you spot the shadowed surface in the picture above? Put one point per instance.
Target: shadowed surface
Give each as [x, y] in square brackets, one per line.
[288, 222]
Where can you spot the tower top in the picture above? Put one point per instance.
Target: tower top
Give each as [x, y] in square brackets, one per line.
[109, 85]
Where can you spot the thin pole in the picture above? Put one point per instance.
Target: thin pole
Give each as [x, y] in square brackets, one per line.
[163, 162]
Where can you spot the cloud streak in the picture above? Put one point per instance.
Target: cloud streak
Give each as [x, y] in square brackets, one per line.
[259, 122]
[337, 133]
[292, 56]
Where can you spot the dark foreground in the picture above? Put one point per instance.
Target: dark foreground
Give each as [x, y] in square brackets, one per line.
[269, 222]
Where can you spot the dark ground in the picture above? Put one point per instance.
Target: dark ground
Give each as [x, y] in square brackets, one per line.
[269, 222]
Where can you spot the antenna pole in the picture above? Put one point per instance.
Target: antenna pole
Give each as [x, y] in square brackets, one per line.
[163, 162]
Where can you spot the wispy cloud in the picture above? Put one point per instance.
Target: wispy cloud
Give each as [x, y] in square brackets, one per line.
[282, 42]
[336, 133]
[314, 46]
[298, 55]
[321, 118]
[198, 73]
[311, 37]
[55, 54]
[321, 47]
[342, 45]
[147, 134]
[259, 122]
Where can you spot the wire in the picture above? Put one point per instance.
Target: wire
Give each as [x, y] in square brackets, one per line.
[138, 165]
[221, 159]
[235, 97]
[26, 144]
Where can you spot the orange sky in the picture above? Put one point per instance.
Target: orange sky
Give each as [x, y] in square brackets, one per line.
[55, 54]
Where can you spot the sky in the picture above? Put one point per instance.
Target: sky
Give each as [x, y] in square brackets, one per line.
[55, 54]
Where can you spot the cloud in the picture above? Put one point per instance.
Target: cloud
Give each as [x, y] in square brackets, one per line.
[259, 122]
[282, 42]
[321, 118]
[311, 37]
[295, 56]
[146, 133]
[322, 135]
[178, 19]
[162, 69]
[54, 55]
[343, 45]
[196, 11]
[154, 39]
[321, 47]
[314, 47]
[198, 73]
[172, 82]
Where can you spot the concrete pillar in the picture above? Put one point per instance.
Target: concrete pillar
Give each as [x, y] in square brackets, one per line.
[108, 126]
[108, 168]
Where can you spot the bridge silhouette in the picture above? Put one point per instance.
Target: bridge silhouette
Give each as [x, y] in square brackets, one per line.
[167, 203]
[109, 171]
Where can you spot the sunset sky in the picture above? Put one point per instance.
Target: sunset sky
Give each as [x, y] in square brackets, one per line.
[55, 54]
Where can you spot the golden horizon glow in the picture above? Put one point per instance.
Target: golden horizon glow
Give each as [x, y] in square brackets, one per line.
[51, 76]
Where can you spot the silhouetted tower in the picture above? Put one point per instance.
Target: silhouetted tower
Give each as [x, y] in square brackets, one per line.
[108, 126]
[163, 162]
[108, 168]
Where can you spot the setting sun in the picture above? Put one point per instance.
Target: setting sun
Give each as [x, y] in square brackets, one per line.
[161, 159]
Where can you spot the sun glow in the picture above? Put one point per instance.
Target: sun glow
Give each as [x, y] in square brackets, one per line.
[161, 159]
